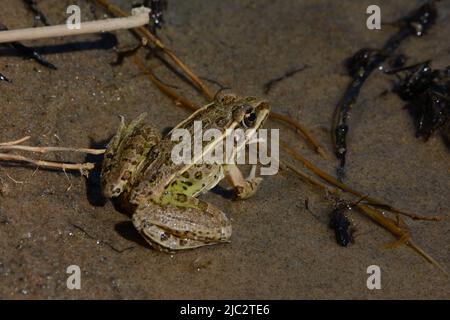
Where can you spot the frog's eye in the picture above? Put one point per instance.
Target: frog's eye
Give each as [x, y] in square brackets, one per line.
[249, 119]
[241, 112]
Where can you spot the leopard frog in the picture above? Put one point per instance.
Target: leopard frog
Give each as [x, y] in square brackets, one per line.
[139, 171]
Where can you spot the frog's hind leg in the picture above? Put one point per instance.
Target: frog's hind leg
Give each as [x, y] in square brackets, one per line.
[244, 187]
[128, 153]
[161, 240]
[122, 133]
[185, 223]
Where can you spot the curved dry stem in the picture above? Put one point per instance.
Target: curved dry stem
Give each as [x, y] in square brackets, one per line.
[144, 33]
[392, 226]
[178, 99]
[344, 187]
[387, 223]
[308, 137]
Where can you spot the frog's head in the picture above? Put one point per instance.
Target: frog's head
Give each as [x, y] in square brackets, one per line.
[229, 111]
[247, 114]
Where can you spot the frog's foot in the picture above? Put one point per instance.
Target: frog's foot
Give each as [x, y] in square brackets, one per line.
[188, 223]
[244, 188]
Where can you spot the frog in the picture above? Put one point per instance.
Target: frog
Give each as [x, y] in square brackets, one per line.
[161, 195]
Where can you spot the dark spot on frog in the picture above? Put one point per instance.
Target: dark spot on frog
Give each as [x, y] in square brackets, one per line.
[198, 175]
[164, 236]
[126, 175]
[203, 206]
[188, 183]
[185, 175]
[139, 149]
[181, 197]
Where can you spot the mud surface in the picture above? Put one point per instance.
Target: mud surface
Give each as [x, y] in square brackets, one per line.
[279, 249]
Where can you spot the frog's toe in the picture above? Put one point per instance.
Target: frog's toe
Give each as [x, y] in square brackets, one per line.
[248, 189]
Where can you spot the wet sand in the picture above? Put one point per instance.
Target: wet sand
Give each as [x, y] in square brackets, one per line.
[279, 249]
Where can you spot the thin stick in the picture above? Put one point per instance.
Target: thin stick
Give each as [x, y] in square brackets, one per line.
[391, 225]
[48, 164]
[309, 138]
[344, 187]
[51, 149]
[11, 143]
[140, 17]
[144, 33]
[178, 99]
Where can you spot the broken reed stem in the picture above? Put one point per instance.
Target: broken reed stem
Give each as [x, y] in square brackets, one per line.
[146, 36]
[51, 149]
[47, 164]
[139, 17]
[344, 187]
[375, 216]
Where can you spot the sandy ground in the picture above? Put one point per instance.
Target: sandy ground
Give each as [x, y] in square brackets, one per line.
[279, 249]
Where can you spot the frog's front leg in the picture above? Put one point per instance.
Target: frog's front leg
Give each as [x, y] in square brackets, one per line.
[244, 187]
[185, 223]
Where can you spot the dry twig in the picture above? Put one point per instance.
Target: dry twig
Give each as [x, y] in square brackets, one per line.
[140, 17]
[47, 164]
[15, 145]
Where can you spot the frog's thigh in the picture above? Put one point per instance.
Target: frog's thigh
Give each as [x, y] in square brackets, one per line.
[244, 188]
[162, 240]
[189, 224]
